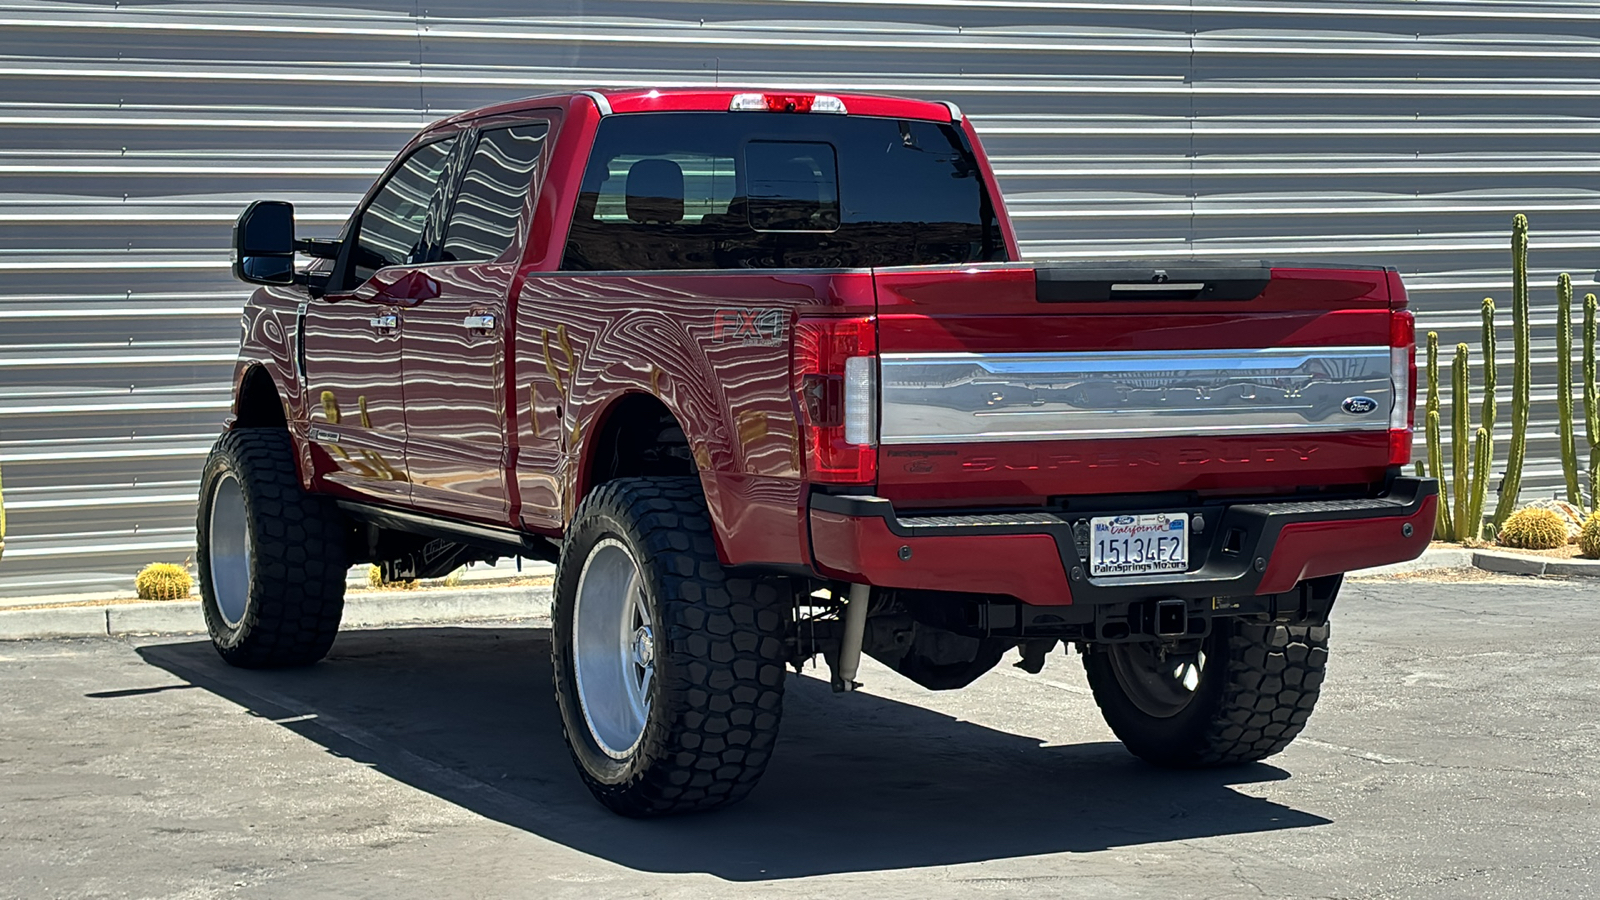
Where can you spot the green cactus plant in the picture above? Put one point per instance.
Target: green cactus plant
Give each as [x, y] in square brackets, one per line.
[1488, 415]
[163, 581]
[1591, 403]
[1471, 459]
[1491, 376]
[1443, 526]
[1589, 536]
[1521, 373]
[1482, 459]
[1460, 447]
[1569, 448]
[1534, 529]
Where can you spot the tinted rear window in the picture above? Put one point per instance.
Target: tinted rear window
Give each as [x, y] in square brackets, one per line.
[772, 190]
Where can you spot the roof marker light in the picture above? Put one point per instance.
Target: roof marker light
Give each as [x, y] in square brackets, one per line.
[819, 103]
[827, 104]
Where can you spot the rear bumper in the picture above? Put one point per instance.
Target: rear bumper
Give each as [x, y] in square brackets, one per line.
[1245, 549]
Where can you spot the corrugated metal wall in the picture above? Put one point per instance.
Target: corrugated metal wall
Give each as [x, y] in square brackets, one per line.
[1399, 133]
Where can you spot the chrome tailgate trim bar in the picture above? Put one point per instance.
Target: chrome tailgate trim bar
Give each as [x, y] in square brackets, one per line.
[941, 398]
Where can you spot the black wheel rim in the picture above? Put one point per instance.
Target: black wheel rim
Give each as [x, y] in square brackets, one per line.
[1160, 680]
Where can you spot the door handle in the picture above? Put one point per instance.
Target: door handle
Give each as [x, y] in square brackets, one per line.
[478, 323]
[385, 322]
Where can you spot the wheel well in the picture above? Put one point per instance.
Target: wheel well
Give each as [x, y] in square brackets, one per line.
[258, 405]
[639, 437]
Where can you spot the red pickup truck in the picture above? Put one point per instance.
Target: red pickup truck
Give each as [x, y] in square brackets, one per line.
[763, 373]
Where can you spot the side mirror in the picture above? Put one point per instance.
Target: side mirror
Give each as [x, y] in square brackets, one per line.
[263, 243]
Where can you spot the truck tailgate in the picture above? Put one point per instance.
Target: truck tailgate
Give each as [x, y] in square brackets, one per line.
[1011, 385]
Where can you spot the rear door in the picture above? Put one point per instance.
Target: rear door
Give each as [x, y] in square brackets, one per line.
[454, 342]
[350, 339]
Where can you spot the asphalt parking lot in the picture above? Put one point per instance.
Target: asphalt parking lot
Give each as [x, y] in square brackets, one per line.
[1455, 754]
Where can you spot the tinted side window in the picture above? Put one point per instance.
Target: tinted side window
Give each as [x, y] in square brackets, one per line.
[391, 226]
[483, 220]
[762, 190]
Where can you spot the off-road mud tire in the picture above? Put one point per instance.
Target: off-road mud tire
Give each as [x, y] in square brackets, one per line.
[1258, 687]
[297, 556]
[717, 694]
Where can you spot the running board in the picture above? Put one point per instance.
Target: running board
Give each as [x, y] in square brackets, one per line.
[490, 537]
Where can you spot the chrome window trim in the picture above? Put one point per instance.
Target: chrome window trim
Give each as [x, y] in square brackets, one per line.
[600, 101]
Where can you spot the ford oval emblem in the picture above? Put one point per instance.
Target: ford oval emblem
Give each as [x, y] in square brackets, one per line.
[1358, 406]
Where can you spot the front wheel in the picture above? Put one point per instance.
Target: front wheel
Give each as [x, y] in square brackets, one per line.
[668, 668]
[272, 557]
[1238, 696]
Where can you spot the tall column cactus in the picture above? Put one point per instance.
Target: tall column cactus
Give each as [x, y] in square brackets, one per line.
[1491, 377]
[1521, 372]
[1591, 403]
[1482, 459]
[1471, 459]
[1486, 421]
[1569, 447]
[1460, 445]
[1443, 528]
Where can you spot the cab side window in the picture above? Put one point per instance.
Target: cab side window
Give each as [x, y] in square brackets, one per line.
[391, 226]
[488, 206]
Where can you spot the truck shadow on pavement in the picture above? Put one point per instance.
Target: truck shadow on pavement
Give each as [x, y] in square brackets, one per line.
[859, 783]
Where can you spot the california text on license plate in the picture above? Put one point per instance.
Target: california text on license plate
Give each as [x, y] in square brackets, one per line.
[1139, 545]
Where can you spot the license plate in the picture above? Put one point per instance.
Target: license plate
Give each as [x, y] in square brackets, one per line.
[1139, 545]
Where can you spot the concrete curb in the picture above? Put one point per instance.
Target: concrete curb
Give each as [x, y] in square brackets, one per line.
[376, 610]
[1431, 558]
[1515, 564]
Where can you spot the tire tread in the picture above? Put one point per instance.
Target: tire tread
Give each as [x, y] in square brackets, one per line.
[721, 681]
[297, 578]
[1272, 677]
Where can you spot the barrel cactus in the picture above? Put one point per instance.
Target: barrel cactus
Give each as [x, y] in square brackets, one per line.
[163, 581]
[1534, 529]
[1589, 537]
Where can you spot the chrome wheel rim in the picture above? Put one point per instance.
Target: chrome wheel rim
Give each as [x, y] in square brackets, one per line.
[1160, 681]
[613, 648]
[228, 549]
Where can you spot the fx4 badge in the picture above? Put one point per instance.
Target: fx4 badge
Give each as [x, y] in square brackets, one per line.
[749, 326]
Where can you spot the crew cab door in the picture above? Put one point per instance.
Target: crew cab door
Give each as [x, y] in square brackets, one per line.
[454, 343]
[351, 337]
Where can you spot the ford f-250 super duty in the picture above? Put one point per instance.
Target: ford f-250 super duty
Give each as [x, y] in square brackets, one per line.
[762, 372]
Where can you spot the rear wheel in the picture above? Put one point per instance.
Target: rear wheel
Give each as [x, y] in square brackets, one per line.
[1240, 695]
[271, 556]
[668, 668]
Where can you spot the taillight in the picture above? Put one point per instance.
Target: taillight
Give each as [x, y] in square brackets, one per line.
[1403, 383]
[836, 383]
[795, 103]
